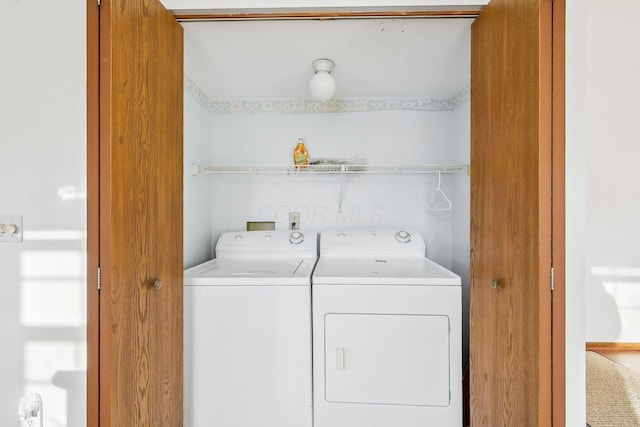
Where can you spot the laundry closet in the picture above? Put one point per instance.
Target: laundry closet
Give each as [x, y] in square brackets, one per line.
[397, 131]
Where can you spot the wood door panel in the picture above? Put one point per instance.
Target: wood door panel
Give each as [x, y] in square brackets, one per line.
[141, 214]
[510, 214]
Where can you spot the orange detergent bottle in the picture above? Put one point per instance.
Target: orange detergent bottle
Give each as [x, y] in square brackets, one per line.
[300, 155]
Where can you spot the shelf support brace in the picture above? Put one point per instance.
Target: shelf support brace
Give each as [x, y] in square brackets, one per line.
[343, 177]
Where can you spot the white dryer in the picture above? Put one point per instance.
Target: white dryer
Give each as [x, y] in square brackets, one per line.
[248, 332]
[387, 333]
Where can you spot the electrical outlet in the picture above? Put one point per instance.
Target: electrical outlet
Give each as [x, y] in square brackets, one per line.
[10, 228]
[294, 220]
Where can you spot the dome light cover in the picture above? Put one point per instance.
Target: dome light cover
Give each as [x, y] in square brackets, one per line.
[322, 85]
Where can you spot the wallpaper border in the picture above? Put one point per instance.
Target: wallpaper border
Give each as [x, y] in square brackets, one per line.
[310, 106]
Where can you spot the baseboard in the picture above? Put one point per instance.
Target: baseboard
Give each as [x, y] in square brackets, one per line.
[613, 346]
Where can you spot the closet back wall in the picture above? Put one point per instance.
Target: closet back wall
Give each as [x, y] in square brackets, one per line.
[368, 200]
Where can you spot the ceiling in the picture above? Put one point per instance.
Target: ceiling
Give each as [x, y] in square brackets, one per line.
[271, 59]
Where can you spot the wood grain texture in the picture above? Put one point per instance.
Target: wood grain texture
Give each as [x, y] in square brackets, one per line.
[141, 215]
[93, 214]
[338, 13]
[612, 346]
[510, 348]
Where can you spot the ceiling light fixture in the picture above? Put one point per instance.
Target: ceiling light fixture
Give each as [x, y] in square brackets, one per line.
[322, 85]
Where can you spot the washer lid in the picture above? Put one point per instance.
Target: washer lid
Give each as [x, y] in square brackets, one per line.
[382, 271]
[251, 272]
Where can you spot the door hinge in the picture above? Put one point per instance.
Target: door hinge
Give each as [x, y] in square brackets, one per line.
[99, 2]
[99, 278]
[553, 280]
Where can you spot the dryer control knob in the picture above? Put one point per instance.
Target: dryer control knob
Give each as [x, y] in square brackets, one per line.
[403, 237]
[296, 238]
[341, 235]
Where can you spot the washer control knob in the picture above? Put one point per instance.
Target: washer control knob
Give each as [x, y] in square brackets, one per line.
[373, 235]
[8, 228]
[341, 235]
[238, 236]
[296, 238]
[403, 237]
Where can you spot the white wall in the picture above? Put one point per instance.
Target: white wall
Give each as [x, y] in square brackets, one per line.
[576, 133]
[613, 206]
[43, 144]
[197, 190]
[602, 228]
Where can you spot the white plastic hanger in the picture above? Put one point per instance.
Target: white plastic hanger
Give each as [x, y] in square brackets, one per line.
[439, 201]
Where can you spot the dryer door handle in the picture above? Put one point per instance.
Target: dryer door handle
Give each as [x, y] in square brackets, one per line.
[343, 358]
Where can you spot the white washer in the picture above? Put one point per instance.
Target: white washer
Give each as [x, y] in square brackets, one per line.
[387, 333]
[248, 332]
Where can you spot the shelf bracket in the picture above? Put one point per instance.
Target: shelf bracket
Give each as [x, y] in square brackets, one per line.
[341, 195]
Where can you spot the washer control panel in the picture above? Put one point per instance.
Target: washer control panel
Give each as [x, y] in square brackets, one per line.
[379, 243]
[266, 244]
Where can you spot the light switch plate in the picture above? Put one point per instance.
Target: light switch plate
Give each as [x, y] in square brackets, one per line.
[294, 220]
[11, 220]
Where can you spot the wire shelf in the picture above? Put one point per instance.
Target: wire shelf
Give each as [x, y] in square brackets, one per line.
[328, 169]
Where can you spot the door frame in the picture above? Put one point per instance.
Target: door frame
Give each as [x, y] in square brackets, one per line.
[558, 168]
[558, 214]
[93, 213]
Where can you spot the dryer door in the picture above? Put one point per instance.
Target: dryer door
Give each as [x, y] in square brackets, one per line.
[387, 359]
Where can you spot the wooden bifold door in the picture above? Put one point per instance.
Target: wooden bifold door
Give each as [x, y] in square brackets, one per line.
[511, 205]
[139, 216]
